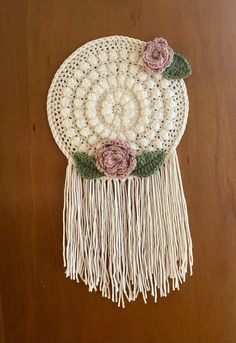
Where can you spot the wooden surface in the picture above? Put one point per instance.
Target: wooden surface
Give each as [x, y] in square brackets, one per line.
[38, 303]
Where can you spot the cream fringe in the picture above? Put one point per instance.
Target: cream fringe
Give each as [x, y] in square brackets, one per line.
[127, 237]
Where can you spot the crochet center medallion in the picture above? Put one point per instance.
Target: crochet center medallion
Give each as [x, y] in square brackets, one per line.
[117, 108]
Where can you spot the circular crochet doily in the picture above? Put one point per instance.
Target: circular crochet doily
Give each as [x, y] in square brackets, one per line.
[104, 91]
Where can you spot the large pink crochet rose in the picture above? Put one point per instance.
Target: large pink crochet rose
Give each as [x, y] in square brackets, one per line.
[115, 159]
[158, 55]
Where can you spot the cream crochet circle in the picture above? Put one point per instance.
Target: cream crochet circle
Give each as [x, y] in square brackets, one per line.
[103, 91]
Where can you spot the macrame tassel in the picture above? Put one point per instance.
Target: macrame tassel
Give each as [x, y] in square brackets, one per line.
[127, 237]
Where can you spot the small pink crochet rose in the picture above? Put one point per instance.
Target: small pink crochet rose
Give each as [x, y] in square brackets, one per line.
[157, 55]
[115, 159]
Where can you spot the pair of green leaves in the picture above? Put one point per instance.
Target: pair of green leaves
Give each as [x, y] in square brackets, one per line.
[180, 68]
[147, 164]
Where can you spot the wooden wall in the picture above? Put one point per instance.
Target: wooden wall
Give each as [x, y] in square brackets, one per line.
[38, 304]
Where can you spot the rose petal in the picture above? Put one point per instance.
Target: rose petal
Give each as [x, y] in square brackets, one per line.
[115, 158]
[157, 55]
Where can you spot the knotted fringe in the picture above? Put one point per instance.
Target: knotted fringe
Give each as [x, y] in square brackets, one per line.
[127, 237]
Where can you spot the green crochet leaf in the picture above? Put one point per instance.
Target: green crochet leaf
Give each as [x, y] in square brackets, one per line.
[180, 68]
[86, 166]
[149, 162]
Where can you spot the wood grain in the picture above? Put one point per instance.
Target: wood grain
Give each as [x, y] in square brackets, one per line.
[38, 303]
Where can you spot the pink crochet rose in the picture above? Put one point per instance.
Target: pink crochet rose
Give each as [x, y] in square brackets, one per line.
[158, 55]
[115, 159]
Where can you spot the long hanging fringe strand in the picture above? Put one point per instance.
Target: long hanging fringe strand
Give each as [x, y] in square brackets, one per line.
[127, 237]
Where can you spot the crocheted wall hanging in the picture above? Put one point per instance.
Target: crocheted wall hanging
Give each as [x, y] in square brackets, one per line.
[117, 108]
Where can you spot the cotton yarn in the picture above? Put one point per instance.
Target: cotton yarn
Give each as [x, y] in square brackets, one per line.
[104, 91]
[117, 108]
